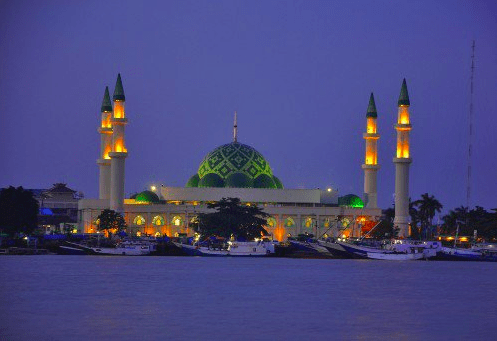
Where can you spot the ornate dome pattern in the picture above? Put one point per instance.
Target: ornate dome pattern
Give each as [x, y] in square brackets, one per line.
[237, 165]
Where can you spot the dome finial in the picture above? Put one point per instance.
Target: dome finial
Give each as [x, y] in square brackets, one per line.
[235, 131]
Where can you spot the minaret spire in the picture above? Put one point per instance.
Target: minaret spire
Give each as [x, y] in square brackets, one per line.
[235, 130]
[370, 165]
[402, 160]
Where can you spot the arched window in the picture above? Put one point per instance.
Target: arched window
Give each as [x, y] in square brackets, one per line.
[308, 222]
[139, 220]
[177, 220]
[158, 220]
[271, 222]
[289, 222]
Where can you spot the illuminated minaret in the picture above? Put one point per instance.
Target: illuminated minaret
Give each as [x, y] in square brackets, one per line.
[103, 162]
[119, 151]
[370, 165]
[235, 131]
[402, 162]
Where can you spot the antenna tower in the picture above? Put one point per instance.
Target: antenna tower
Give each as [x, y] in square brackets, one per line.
[470, 133]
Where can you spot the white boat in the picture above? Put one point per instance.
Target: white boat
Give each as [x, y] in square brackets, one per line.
[234, 249]
[128, 248]
[396, 256]
[397, 249]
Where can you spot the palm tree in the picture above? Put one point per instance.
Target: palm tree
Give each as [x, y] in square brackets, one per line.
[427, 207]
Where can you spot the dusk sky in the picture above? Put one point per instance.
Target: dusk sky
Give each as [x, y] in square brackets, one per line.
[299, 73]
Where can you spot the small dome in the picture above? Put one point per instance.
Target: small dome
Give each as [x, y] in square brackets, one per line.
[211, 180]
[193, 181]
[264, 181]
[147, 196]
[239, 180]
[350, 200]
[278, 183]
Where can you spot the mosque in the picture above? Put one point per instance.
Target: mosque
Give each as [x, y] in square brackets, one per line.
[238, 170]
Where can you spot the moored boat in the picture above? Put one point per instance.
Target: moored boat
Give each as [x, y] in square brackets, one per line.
[127, 248]
[233, 248]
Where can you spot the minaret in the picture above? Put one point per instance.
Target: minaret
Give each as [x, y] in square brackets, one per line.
[235, 131]
[370, 165]
[402, 162]
[103, 162]
[119, 151]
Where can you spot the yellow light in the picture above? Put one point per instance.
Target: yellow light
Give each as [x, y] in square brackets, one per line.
[343, 236]
[329, 189]
[153, 188]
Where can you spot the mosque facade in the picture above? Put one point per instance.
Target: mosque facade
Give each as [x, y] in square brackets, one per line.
[239, 171]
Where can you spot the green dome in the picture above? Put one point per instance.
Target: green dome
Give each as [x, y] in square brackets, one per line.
[147, 196]
[278, 183]
[264, 181]
[350, 200]
[234, 165]
[239, 180]
[211, 180]
[193, 181]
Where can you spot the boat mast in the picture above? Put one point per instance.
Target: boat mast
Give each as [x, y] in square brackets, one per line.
[470, 132]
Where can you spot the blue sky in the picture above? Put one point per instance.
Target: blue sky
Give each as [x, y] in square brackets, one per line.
[299, 73]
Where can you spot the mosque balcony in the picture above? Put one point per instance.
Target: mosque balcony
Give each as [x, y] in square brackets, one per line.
[368, 166]
[403, 127]
[104, 130]
[119, 121]
[118, 154]
[402, 160]
[369, 136]
[105, 162]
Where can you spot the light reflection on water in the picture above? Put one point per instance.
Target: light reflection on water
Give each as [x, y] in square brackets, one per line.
[184, 298]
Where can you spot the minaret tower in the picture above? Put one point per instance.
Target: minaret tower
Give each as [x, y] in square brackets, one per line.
[235, 131]
[402, 162]
[370, 165]
[103, 162]
[119, 151]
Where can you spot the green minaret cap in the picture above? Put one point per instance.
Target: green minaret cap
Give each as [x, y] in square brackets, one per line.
[404, 95]
[106, 105]
[371, 107]
[119, 91]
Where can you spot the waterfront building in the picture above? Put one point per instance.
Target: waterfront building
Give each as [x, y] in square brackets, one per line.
[231, 170]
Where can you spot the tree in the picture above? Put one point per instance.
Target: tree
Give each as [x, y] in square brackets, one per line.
[110, 221]
[232, 218]
[427, 207]
[18, 211]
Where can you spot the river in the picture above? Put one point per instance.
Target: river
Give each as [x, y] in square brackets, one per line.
[184, 298]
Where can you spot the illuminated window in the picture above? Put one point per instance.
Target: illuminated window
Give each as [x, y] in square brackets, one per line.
[177, 221]
[158, 220]
[308, 222]
[326, 222]
[345, 222]
[139, 220]
[271, 222]
[289, 222]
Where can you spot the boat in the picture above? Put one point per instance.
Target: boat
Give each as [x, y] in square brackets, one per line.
[233, 249]
[337, 250]
[399, 256]
[478, 252]
[127, 248]
[397, 249]
[310, 246]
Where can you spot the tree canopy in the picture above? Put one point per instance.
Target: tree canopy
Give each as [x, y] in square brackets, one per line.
[110, 221]
[469, 220]
[231, 217]
[18, 211]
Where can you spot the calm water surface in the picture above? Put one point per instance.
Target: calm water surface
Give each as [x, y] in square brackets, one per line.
[185, 298]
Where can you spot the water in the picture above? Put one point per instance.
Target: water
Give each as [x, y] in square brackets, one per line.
[185, 298]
